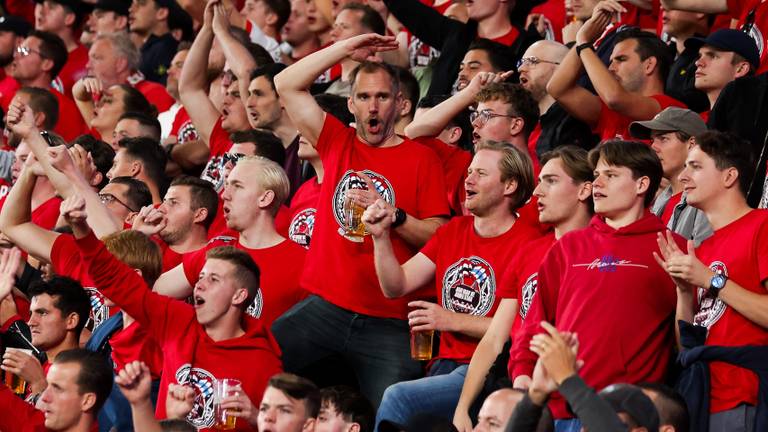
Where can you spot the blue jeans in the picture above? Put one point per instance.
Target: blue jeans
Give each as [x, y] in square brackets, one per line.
[377, 349]
[436, 394]
[570, 425]
[739, 419]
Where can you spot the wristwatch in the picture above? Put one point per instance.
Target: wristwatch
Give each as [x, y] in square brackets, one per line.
[400, 216]
[716, 284]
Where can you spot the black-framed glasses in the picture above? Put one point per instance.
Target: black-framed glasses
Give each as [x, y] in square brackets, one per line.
[532, 61]
[48, 138]
[25, 51]
[482, 117]
[107, 198]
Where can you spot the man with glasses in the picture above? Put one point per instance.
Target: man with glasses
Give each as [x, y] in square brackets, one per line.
[37, 61]
[556, 128]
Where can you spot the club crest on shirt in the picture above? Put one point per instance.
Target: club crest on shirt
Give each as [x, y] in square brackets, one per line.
[529, 289]
[469, 286]
[257, 306]
[352, 180]
[710, 309]
[187, 132]
[757, 36]
[99, 308]
[301, 227]
[201, 380]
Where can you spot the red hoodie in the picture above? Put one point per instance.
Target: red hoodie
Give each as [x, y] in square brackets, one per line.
[190, 355]
[604, 285]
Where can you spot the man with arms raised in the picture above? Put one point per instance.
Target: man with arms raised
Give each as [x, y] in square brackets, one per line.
[361, 165]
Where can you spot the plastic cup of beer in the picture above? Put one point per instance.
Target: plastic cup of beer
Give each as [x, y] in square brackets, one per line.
[224, 388]
[421, 344]
[14, 382]
[353, 216]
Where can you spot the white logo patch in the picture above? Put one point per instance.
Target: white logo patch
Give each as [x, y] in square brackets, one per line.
[469, 286]
[352, 180]
[202, 415]
[710, 309]
[529, 289]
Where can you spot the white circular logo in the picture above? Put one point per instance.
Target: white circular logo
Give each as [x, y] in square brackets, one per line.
[257, 306]
[529, 289]
[710, 309]
[202, 415]
[469, 286]
[301, 227]
[352, 180]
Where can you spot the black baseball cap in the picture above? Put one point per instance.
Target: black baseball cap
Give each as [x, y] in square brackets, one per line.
[729, 40]
[119, 7]
[630, 400]
[14, 24]
[79, 7]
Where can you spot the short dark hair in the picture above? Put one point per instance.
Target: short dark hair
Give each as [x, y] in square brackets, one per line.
[95, 375]
[370, 19]
[729, 150]
[135, 101]
[260, 55]
[336, 106]
[176, 425]
[520, 101]
[373, 67]
[268, 71]
[202, 195]
[350, 404]
[138, 194]
[637, 156]
[299, 388]
[670, 404]
[52, 48]
[268, 145]
[68, 297]
[145, 120]
[460, 120]
[409, 87]
[151, 156]
[102, 154]
[281, 8]
[649, 45]
[247, 272]
[43, 101]
[499, 55]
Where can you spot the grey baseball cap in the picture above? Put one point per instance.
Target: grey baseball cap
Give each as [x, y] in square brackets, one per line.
[671, 119]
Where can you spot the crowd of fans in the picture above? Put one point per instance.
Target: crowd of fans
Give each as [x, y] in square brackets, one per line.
[566, 195]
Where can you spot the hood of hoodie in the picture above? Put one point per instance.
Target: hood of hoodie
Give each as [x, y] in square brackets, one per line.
[256, 337]
[648, 224]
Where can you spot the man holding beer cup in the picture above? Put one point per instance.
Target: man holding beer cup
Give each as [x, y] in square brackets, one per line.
[466, 258]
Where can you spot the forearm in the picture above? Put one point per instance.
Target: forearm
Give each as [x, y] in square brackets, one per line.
[704, 6]
[526, 416]
[191, 154]
[18, 205]
[100, 219]
[482, 360]
[606, 86]
[683, 310]
[299, 76]
[86, 109]
[416, 232]
[193, 76]
[143, 414]
[390, 273]
[40, 149]
[566, 75]
[470, 325]
[752, 305]
[433, 121]
[239, 59]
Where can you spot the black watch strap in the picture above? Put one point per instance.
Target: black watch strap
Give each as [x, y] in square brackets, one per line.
[400, 216]
[582, 47]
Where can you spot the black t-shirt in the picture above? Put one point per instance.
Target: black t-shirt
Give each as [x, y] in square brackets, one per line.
[156, 55]
[681, 82]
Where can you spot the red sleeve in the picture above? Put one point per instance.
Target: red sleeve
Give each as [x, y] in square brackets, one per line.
[158, 96]
[16, 415]
[509, 284]
[433, 244]
[134, 343]
[47, 214]
[65, 256]
[22, 307]
[127, 290]
[736, 8]
[542, 308]
[334, 132]
[192, 264]
[7, 324]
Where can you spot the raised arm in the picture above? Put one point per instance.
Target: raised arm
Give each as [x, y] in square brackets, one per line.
[434, 120]
[293, 83]
[238, 58]
[424, 22]
[704, 6]
[193, 85]
[135, 383]
[173, 283]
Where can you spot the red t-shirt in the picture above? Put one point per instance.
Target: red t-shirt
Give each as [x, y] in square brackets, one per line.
[183, 128]
[669, 209]
[739, 250]
[47, 213]
[156, 94]
[74, 69]
[758, 25]
[280, 267]
[8, 88]
[215, 172]
[509, 37]
[533, 138]
[554, 11]
[297, 222]
[71, 124]
[455, 164]
[408, 176]
[134, 343]
[614, 125]
[467, 272]
[521, 279]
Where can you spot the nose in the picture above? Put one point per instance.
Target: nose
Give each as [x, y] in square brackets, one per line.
[538, 191]
[684, 175]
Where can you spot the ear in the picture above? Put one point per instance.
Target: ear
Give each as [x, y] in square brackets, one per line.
[649, 65]
[585, 191]
[266, 199]
[200, 215]
[354, 427]
[516, 126]
[136, 168]
[69, 19]
[643, 183]
[121, 64]
[405, 107]
[96, 178]
[271, 19]
[731, 177]
[129, 218]
[138, 272]
[39, 119]
[47, 65]
[309, 425]
[455, 135]
[240, 296]
[87, 401]
[121, 22]
[510, 186]
[350, 105]
[742, 69]
[691, 142]
[161, 14]
[72, 320]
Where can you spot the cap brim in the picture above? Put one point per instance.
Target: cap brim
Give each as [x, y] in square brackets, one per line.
[390, 426]
[643, 129]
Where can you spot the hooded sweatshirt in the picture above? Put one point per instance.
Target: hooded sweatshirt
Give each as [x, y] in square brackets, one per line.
[604, 285]
[190, 355]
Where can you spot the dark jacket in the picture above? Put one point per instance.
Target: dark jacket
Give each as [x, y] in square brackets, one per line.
[694, 380]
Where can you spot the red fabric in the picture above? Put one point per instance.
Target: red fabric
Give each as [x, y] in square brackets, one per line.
[8, 88]
[739, 10]
[554, 11]
[21, 8]
[467, 272]
[22, 307]
[47, 213]
[508, 38]
[604, 284]
[219, 144]
[191, 356]
[740, 251]
[669, 209]
[71, 124]
[520, 281]
[297, 222]
[134, 343]
[280, 267]
[66, 261]
[17, 415]
[614, 125]
[183, 128]
[455, 164]
[408, 175]
[705, 116]
[156, 94]
[74, 69]
[533, 138]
